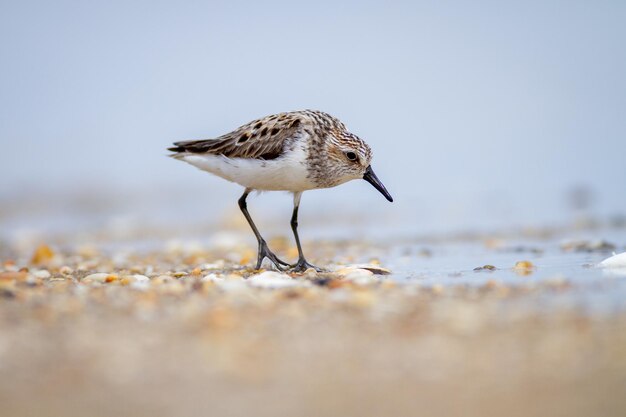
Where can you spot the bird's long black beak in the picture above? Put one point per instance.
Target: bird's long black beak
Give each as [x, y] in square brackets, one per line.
[370, 177]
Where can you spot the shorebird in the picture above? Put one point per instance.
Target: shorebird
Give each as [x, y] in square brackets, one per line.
[293, 151]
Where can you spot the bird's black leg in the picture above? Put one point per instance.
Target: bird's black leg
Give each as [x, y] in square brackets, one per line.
[302, 264]
[264, 250]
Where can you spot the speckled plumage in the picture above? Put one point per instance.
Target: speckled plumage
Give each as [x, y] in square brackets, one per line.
[323, 139]
[292, 151]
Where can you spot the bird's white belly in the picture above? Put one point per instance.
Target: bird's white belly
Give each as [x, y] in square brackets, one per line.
[287, 173]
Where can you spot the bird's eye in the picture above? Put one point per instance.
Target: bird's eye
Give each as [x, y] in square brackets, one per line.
[351, 156]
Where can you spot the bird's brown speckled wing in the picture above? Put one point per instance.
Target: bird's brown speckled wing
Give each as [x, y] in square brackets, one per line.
[264, 138]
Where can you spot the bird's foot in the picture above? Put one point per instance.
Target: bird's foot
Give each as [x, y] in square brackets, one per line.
[265, 252]
[302, 265]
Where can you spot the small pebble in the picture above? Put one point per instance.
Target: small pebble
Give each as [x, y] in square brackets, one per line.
[140, 278]
[485, 268]
[42, 274]
[524, 268]
[97, 277]
[65, 270]
[43, 254]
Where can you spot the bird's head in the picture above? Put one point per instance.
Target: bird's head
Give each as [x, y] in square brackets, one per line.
[351, 158]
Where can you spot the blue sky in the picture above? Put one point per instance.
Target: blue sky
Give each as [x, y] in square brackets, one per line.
[512, 103]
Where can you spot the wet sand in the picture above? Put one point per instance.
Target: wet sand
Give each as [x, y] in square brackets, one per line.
[105, 327]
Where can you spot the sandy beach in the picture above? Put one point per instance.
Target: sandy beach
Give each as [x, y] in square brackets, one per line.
[467, 325]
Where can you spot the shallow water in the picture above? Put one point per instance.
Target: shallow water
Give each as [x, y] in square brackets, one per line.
[594, 290]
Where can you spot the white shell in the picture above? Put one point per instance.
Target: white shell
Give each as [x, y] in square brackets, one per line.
[97, 277]
[615, 261]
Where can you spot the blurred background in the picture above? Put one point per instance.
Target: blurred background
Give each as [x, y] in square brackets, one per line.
[481, 114]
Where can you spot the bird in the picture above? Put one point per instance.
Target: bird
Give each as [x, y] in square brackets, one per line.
[292, 151]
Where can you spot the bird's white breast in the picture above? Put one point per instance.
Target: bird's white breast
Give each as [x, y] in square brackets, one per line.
[286, 173]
